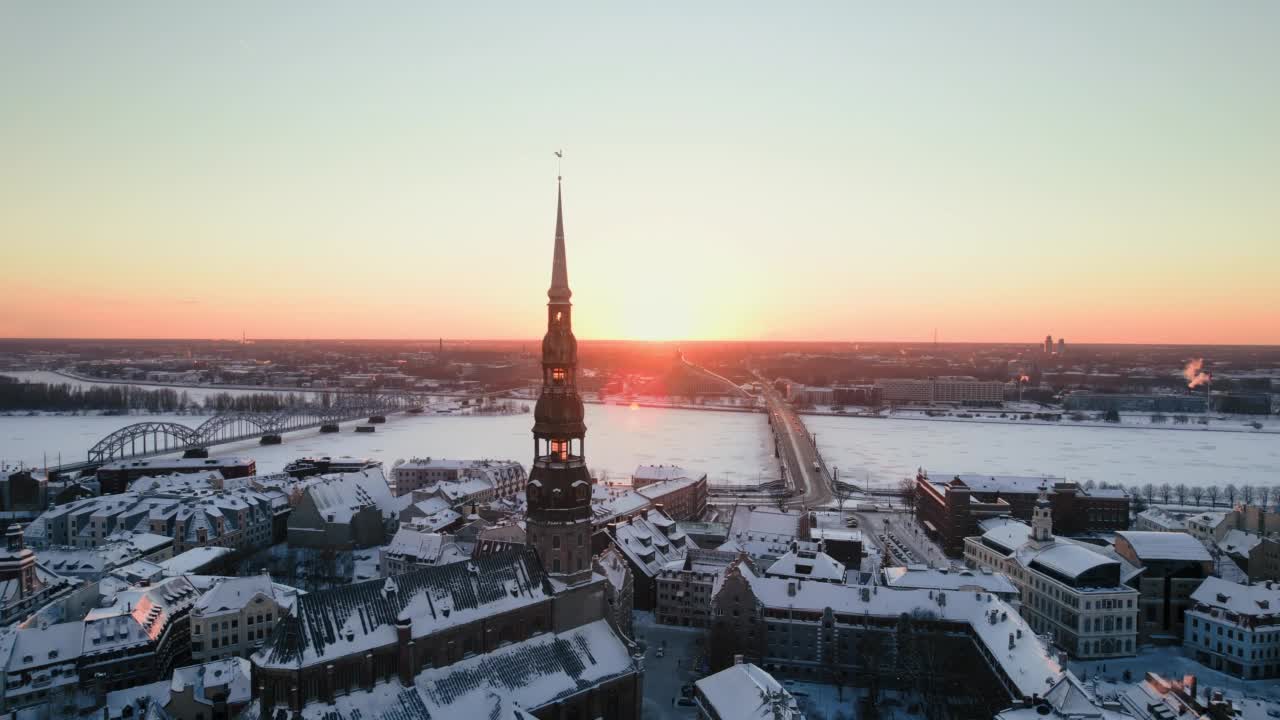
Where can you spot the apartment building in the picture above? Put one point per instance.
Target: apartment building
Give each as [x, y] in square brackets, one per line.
[491, 479]
[1235, 628]
[235, 617]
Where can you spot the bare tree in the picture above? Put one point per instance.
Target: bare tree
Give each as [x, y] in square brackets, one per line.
[907, 488]
[1264, 496]
[1212, 492]
[1089, 484]
[841, 491]
[1149, 491]
[1246, 494]
[1231, 492]
[1165, 491]
[1197, 494]
[1180, 491]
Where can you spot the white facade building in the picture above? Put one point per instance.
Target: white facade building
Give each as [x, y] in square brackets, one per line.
[1071, 591]
[1235, 628]
[461, 480]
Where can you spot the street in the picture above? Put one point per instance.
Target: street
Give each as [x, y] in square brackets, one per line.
[664, 676]
[810, 487]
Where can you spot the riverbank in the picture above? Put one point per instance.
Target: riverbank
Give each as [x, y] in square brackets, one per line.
[1128, 421]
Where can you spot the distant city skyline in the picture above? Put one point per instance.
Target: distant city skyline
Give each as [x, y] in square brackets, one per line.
[994, 171]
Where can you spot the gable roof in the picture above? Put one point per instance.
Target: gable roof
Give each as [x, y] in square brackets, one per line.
[362, 616]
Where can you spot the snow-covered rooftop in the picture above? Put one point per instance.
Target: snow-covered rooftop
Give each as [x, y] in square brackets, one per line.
[746, 692]
[232, 674]
[1239, 542]
[920, 576]
[1255, 601]
[1009, 641]
[520, 676]
[755, 520]
[658, 473]
[194, 560]
[808, 565]
[1068, 699]
[234, 593]
[977, 482]
[423, 548]
[1067, 559]
[651, 541]
[360, 617]
[1162, 519]
[340, 496]
[1154, 545]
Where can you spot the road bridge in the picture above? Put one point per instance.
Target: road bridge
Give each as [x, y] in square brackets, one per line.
[805, 472]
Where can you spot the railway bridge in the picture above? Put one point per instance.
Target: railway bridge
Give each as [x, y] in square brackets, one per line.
[151, 438]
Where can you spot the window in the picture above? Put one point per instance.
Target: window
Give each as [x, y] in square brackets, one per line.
[555, 542]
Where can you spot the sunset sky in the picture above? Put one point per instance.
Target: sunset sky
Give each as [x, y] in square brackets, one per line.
[1102, 171]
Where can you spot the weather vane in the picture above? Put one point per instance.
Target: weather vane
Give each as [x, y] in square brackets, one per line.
[559, 156]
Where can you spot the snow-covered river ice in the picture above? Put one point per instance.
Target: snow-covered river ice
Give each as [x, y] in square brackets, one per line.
[736, 447]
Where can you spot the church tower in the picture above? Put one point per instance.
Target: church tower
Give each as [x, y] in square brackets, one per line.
[1042, 518]
[559, 491]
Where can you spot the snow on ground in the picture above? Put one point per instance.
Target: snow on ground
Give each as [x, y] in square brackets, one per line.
[1011, 414]
[734, 447]
[664, 676]
[1171, 663]
[728, 446]
[888, 450]
[196, 393]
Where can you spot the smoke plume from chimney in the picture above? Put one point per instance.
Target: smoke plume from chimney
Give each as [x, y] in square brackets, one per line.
[1194, 373]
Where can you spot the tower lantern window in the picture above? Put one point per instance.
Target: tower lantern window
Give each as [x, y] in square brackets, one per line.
[560, 449]
[557, 375]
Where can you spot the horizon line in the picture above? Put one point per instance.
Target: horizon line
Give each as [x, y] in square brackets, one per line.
[1084, 343]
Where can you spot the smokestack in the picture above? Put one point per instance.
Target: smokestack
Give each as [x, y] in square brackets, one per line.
[1208, 393]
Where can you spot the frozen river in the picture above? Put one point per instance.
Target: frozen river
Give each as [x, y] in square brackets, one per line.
[736, 447]
[729, 447]
[887, 450]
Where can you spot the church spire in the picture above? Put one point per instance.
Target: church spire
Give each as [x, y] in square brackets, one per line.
[559, 291]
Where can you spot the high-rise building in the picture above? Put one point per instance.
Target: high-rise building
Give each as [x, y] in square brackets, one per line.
[559, 488]
[1062, 346]
[1048, 344]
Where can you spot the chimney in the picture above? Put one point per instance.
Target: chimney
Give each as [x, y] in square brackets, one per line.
[1189, 686]
[404, 646]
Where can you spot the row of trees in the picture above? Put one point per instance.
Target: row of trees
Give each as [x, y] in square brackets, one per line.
[260, 402]
[1198, 495]
[64, 397]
